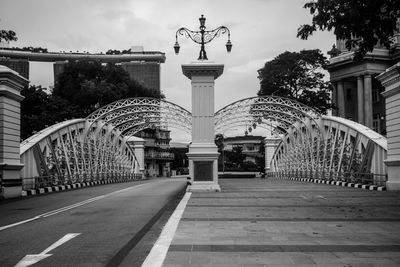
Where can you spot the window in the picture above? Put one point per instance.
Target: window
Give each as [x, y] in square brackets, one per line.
[376, 122]
[375, 96]
[348, 94]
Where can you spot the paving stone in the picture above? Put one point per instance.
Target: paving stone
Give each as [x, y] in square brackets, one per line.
[267, 222]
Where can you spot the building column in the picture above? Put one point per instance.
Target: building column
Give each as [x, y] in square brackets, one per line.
[368, 100]
[270, 145]
[138, 146]
[390, 79]
[334, 99]
[360, 99]
[203, 153]
[340, 99]
[11, 84]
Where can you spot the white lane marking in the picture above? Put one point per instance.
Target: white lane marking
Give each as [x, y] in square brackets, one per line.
[31, 259]
[159, 251]
[53, 212]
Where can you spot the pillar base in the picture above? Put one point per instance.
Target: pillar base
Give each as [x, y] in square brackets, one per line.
[11, 180]
[393, 169]
[204, 187]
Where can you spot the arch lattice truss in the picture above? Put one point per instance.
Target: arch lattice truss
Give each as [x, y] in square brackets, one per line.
[60, 154]
[310, 142]
[98, 145]
[135, 114]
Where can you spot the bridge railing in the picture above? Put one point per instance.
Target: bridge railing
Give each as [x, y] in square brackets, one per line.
[349, 177]
[55, 180]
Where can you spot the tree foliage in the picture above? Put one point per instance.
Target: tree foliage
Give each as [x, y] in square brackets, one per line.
[7, 35]
[81, 89]
[40, 110]
[297, 75]
[363, 24]
[90, 85]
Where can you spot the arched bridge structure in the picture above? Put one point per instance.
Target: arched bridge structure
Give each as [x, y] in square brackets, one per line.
[310, 144]
[97, 147]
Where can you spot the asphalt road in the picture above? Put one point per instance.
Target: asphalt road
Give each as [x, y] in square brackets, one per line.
[96, 226]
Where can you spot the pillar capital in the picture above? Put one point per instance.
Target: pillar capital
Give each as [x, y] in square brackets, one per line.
[11, 83]
[202, 69]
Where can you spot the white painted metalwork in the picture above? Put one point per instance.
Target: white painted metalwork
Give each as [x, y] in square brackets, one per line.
[325, 147]
[61, 155]
[96, 147]
[313, 145]
[343, 150]
[135, 114]
[281, 112]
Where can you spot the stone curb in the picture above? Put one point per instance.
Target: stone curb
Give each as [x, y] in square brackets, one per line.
[339, 183]
[58, 188]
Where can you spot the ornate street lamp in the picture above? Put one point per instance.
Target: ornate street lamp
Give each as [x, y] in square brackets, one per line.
[203, 37]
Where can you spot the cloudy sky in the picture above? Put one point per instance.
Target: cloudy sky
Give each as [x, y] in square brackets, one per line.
[260, 30]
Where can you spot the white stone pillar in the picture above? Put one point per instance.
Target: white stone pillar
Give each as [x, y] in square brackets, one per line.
[390, 79]
[360, 99]
[11, 84]
[334, 99]
[340, 99]
[203, 153]
[368, 100]
[138, 146]
[270, 145]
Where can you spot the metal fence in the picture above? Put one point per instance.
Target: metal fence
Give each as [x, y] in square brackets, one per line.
[350, 177]
[54, 180]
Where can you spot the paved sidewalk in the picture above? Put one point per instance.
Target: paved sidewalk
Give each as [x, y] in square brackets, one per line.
[258, 222]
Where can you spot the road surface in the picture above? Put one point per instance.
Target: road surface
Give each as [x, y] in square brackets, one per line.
[96, 226]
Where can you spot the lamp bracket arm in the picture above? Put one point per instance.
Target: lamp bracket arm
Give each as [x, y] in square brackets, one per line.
[194, 35]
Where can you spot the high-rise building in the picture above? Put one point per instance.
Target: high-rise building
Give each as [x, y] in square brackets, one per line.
[19, 65]
[145, 73]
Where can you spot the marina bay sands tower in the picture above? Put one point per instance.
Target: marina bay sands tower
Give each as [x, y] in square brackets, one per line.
[142, 66]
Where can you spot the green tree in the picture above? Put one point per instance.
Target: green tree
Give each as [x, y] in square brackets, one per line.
[363, 24]
[7, 35]
[299, 76]
[89, 85]
[219, 142]
[40, 110]
[236, 156]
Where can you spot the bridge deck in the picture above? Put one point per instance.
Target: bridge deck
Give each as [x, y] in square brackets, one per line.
[272, 222]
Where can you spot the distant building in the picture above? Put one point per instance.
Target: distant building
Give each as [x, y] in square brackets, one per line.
[145, 73]
[356, 92]
[19, 65]
[142, 66]
[157, 153]
[250, 145]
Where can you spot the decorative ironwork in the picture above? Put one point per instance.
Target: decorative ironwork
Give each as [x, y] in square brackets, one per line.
[325, 147]
[202, 37]
[342, 151]
[61, 155]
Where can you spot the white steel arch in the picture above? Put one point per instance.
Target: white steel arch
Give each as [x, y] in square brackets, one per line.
[135, 114]
[281, 112]
[312, 145]
[60, 154]
[343, 150]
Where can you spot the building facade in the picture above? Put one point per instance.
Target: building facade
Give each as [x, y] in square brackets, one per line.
[145, 73]
[356, 91]
[21, 66]
[142, 66]
[251, 146]
[157, 154]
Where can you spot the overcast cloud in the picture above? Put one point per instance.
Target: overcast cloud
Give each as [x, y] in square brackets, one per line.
[260, 30]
